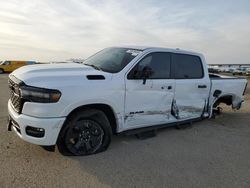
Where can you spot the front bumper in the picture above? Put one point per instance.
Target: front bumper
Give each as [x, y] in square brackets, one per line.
[52, 127]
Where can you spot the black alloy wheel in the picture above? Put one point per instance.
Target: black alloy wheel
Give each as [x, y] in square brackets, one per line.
[85, 132]
[84, 138]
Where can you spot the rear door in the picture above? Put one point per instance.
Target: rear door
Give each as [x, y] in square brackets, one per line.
[192, 86]
[150, 103]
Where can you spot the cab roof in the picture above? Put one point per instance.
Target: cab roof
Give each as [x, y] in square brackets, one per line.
[176, 50]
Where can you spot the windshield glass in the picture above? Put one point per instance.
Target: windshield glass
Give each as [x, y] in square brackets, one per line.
[112, 60]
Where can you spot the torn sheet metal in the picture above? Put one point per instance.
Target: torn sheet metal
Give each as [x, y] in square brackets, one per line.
[187, 112]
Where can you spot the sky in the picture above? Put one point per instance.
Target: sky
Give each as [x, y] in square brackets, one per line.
[57, 30]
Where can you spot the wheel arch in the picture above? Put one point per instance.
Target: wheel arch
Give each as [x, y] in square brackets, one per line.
[221, 99]
[106, 109]
[227, 99]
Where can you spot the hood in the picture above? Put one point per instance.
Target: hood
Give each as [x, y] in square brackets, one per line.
[43, 75]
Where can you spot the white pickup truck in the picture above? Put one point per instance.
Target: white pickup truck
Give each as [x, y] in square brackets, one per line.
[117, 90]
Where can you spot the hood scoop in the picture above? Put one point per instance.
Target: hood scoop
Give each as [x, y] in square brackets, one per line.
[95, 77]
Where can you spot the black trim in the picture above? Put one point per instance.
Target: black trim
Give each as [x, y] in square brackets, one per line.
[217, 93]
[171, 67]
[35, 132]
[95, 77]
[154, 127]
[17, 81]
[244, 92]
[15, 97]
[14, 124]
[202, 86]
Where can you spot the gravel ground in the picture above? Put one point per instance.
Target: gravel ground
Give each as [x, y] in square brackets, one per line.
[212, 153]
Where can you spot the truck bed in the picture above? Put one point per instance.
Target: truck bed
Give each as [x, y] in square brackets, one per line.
[229, 86]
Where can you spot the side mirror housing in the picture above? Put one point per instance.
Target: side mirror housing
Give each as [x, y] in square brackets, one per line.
[146, 73]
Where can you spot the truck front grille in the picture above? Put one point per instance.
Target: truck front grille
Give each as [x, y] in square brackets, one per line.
[15, 96]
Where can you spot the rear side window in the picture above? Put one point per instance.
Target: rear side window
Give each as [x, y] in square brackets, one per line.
[187, 66]
[30, 62]
[158, 62]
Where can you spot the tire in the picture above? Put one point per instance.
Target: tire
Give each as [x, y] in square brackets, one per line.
[85, 132]
[1, 71]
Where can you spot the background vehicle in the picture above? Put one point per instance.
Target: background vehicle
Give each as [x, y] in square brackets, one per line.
[247, 71]
[231, 70]
[240, 71]
[118, 90]
[212, 70]
[9, 66]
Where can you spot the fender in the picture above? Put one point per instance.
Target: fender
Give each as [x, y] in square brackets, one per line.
[119, 114]
[235, 102]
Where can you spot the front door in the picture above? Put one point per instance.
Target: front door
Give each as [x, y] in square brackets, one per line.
[149, 103]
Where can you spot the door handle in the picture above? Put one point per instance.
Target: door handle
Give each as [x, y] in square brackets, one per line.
[166, 87]
[202, 86]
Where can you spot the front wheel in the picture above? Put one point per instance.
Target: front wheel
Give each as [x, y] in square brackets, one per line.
[85, 132]
[1, 71]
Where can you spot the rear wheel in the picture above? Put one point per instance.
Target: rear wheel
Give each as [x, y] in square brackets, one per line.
[86, 132]
[1, 71]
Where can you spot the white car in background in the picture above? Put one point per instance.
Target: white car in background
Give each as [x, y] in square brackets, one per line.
[241, 71]
[247, 71]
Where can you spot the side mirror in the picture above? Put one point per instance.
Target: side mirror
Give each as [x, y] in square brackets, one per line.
[146, 73]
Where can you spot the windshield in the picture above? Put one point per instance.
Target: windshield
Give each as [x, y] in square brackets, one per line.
[112, 60]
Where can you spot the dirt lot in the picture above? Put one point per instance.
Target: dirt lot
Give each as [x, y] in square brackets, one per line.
[213, 153]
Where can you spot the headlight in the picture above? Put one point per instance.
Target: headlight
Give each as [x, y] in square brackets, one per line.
[40, 95]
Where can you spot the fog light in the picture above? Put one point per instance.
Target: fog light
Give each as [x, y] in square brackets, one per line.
[35, 132]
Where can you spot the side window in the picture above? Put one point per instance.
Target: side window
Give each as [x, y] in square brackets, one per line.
[187, 66]
[7, 63]
[158, 62]
[30, 62]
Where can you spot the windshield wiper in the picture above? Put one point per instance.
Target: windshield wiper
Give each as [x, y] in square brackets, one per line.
[94, 66]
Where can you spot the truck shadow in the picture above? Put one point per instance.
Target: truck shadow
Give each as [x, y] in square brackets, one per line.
[128, 160]
[185, 156]
[160, 160]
